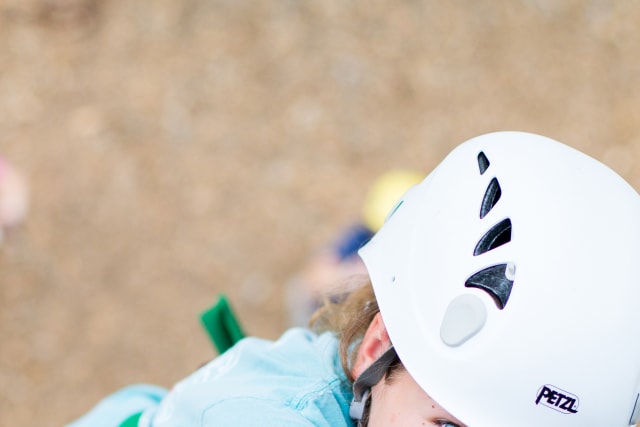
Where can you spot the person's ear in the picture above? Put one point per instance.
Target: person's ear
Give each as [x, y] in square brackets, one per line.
[374, 344]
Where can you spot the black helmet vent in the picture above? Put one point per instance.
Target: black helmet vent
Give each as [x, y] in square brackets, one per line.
[491, 197]
[483, 163]
[497, 236]
[494, 281]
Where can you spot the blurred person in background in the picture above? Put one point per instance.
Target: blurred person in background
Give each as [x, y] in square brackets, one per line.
[328, 270]
[13, 197]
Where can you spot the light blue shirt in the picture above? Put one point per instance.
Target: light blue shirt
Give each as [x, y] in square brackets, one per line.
[294, 381]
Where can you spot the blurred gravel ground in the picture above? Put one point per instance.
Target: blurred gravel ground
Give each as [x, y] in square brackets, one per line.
[180, 149]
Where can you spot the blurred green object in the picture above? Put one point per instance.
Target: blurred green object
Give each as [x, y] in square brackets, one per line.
[222, 325]
[132, 421]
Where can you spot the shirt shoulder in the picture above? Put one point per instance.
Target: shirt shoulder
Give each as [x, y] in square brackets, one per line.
[296, 380]
[250, 412]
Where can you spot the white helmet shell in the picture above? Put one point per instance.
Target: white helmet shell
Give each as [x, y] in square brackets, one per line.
[509, 282]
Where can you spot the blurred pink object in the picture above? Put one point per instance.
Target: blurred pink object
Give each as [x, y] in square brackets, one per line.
[13, 195]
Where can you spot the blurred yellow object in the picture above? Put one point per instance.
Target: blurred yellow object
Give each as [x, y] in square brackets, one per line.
[384, 193]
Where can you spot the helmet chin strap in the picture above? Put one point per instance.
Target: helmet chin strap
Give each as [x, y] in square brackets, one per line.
[370, 377]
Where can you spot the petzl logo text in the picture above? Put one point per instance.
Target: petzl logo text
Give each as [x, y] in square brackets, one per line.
[557, 399]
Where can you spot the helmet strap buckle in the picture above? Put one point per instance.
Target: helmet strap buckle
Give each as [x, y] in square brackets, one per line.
[369, 377]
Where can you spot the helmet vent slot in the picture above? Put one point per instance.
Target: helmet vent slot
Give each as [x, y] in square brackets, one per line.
[491, 197]
[497, 236]
[483, 163]
[494, 281]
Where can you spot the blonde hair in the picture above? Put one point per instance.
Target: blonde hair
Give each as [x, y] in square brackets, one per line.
[348, 316]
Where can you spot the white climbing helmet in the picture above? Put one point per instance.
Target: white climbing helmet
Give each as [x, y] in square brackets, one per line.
[509, 282]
